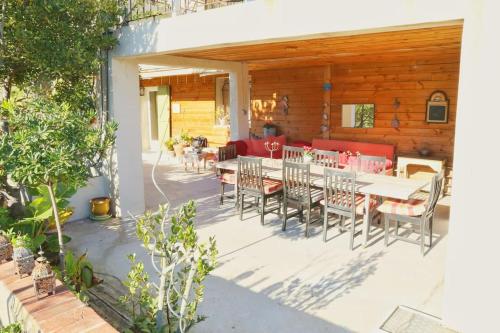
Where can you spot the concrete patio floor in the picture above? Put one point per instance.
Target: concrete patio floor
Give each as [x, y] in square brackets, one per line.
[273, 281]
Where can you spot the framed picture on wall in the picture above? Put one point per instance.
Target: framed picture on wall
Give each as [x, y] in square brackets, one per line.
[437, 108]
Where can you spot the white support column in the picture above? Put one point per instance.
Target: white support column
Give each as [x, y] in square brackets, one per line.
[125, 172]
[472, 288]
[239, 100]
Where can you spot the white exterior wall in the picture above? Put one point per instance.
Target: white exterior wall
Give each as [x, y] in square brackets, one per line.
[471, 286]
[126, 169]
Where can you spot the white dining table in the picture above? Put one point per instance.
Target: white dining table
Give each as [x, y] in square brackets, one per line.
[367, 184]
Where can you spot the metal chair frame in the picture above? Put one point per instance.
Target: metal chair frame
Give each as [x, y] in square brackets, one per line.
[251, 183]
[424, 221]
[297, 192]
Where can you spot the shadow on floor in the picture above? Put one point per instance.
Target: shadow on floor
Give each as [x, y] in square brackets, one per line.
[254, 313]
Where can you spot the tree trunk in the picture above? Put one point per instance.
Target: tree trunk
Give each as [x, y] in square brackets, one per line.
[58, 225]
[162, 291]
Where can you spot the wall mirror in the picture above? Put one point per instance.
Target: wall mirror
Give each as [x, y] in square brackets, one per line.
[358, 115]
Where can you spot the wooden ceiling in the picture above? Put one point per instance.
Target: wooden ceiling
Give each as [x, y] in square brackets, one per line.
[401, 45]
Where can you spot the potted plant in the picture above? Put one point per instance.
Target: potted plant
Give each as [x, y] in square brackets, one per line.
[181, 142]
[269, 129]
[100, 208]
[308, 154]
[170, 144]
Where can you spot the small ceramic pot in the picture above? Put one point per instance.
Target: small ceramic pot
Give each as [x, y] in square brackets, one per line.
[100, 206]
[308, 159]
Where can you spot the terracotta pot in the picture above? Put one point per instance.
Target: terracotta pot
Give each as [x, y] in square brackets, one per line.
[179, 149]
[100, 206]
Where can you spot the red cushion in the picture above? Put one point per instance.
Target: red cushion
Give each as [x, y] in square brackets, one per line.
[241, 147]
[412, 207]
[228, 177]
[325, 144]
[346, 160]
[300, 144]
[271, 186]
[359, 202]
[365, 148]
[257, 147]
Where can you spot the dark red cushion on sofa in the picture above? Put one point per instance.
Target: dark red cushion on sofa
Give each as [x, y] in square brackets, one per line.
[256, 147]
[241, 147]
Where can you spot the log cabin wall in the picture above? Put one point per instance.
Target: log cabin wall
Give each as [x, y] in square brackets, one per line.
[412, 82]
[196, 96]
[302, 86]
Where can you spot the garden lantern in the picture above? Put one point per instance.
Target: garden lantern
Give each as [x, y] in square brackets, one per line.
[5, 249]
[44, 280]
[24, 261]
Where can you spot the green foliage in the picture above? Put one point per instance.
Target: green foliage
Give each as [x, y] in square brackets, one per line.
[55, 44]
[181, 241]
[26, 241]
[51, 143]
[186, 138]
[12, 328]
[170, 144]
[78, 274]
[5, 218]
[41, 208]
[140, 299]
[365, 115]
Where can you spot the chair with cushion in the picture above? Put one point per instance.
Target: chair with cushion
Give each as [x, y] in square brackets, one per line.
[340, 198]
[293, 154]
[226, 177]
[297, 192]
[326, 158]
[251, 183]
[372, 164]
[414, 211]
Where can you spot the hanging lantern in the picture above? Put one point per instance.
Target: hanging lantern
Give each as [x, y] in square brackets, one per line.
[24, 261]
[5, 249]
[44, 280]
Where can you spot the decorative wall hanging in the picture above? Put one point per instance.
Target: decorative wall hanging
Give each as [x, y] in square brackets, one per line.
[437, 108]
[283, 105]
[395, 106]
[327, 86]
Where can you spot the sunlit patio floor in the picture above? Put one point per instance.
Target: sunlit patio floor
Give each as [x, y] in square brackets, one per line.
[273, 281]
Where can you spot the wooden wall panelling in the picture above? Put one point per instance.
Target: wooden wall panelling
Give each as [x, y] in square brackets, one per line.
[303, 86]
[196, 96]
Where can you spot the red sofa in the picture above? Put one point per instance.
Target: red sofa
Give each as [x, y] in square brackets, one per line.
[354, 147]
[256, 147]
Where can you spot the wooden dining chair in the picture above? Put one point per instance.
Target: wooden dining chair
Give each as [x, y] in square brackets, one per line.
[326, 158]
[414, 211]
[297, 192]
[371, 164]
[226, 177]
[293, 154]
[340, 198]
[251, 183]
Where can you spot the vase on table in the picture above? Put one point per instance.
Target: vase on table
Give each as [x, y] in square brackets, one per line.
[308, 158]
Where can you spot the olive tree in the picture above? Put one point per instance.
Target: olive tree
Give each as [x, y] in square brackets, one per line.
[50, 142]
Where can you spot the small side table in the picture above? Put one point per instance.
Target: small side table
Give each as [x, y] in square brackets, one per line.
[420, 167]
[194, 158]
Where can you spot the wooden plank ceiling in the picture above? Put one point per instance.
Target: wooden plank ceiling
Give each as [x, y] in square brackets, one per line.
[373, 47]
